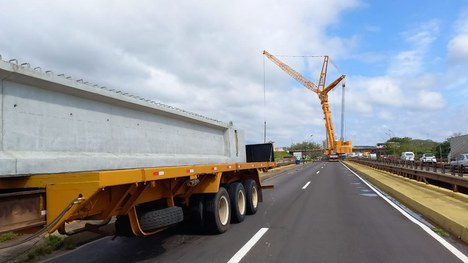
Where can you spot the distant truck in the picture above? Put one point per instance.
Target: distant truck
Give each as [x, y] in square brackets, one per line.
[74, 151]
[458, 145]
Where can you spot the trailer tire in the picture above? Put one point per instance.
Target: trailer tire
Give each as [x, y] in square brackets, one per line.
[217, 214]
[122, 226]
[251, 194]
[156, 219]
[195, 211]
[238, 202]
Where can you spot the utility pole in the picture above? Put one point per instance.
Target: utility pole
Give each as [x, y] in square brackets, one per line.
[440, 151]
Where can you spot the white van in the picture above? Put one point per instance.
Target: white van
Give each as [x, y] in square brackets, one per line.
[407, 156]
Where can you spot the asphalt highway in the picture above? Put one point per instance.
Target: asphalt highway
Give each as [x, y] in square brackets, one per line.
[319, 212]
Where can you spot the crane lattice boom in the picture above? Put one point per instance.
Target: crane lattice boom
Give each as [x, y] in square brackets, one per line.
[296, 75]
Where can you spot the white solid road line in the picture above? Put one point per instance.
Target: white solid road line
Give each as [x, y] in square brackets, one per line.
[246, 248]
[305, 186]
[446, 244]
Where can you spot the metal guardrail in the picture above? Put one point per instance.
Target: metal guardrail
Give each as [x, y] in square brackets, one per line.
[440, 174]
[283, 162]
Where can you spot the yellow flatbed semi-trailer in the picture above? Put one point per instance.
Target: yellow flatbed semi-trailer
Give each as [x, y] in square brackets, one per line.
[144, 200]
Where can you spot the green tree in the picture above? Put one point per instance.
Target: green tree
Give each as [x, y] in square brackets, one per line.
[396, 145]
[303, 146]
[442, 150]
[306, 147]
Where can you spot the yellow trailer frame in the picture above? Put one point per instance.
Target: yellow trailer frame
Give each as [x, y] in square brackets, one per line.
[100, 195]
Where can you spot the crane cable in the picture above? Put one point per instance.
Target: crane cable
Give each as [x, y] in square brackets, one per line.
[301, 56]
[342, 102]
[334, 65]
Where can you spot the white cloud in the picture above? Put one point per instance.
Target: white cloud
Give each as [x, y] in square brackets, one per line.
[418, 93]
[426, 81]
[430, 100]
[412, 61]
[457, 49]
[386, 115]
[422, 36]
[367, 93]
[385, 91]
[406, 63]
[370, 57]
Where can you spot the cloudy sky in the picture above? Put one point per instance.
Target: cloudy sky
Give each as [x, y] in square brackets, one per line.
[406, 62]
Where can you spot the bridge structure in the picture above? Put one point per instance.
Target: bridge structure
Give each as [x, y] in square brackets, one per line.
[359, 149]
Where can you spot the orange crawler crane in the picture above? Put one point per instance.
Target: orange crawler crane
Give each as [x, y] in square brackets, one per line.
[334, 147]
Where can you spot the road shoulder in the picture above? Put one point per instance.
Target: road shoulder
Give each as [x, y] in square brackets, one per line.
[445, 208]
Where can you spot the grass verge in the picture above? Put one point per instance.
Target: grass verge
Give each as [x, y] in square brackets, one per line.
[49, 245]
[440, 232]
[7, 236]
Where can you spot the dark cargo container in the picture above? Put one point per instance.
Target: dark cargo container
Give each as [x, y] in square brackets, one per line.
[260, 152]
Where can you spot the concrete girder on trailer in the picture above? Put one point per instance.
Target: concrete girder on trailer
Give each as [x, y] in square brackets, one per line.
[103, 194]
[92, 153]
[52, 124]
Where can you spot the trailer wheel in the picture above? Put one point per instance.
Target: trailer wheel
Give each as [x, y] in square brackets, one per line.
[122, 226]
[238, 202]
[155, 219]
[217, 211]
[251, 194]
[195, 212]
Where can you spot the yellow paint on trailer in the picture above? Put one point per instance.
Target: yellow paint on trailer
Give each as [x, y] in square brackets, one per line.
[104, 194]
[209, 184]
[41, 181]
[59, 196]
[119, 177]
